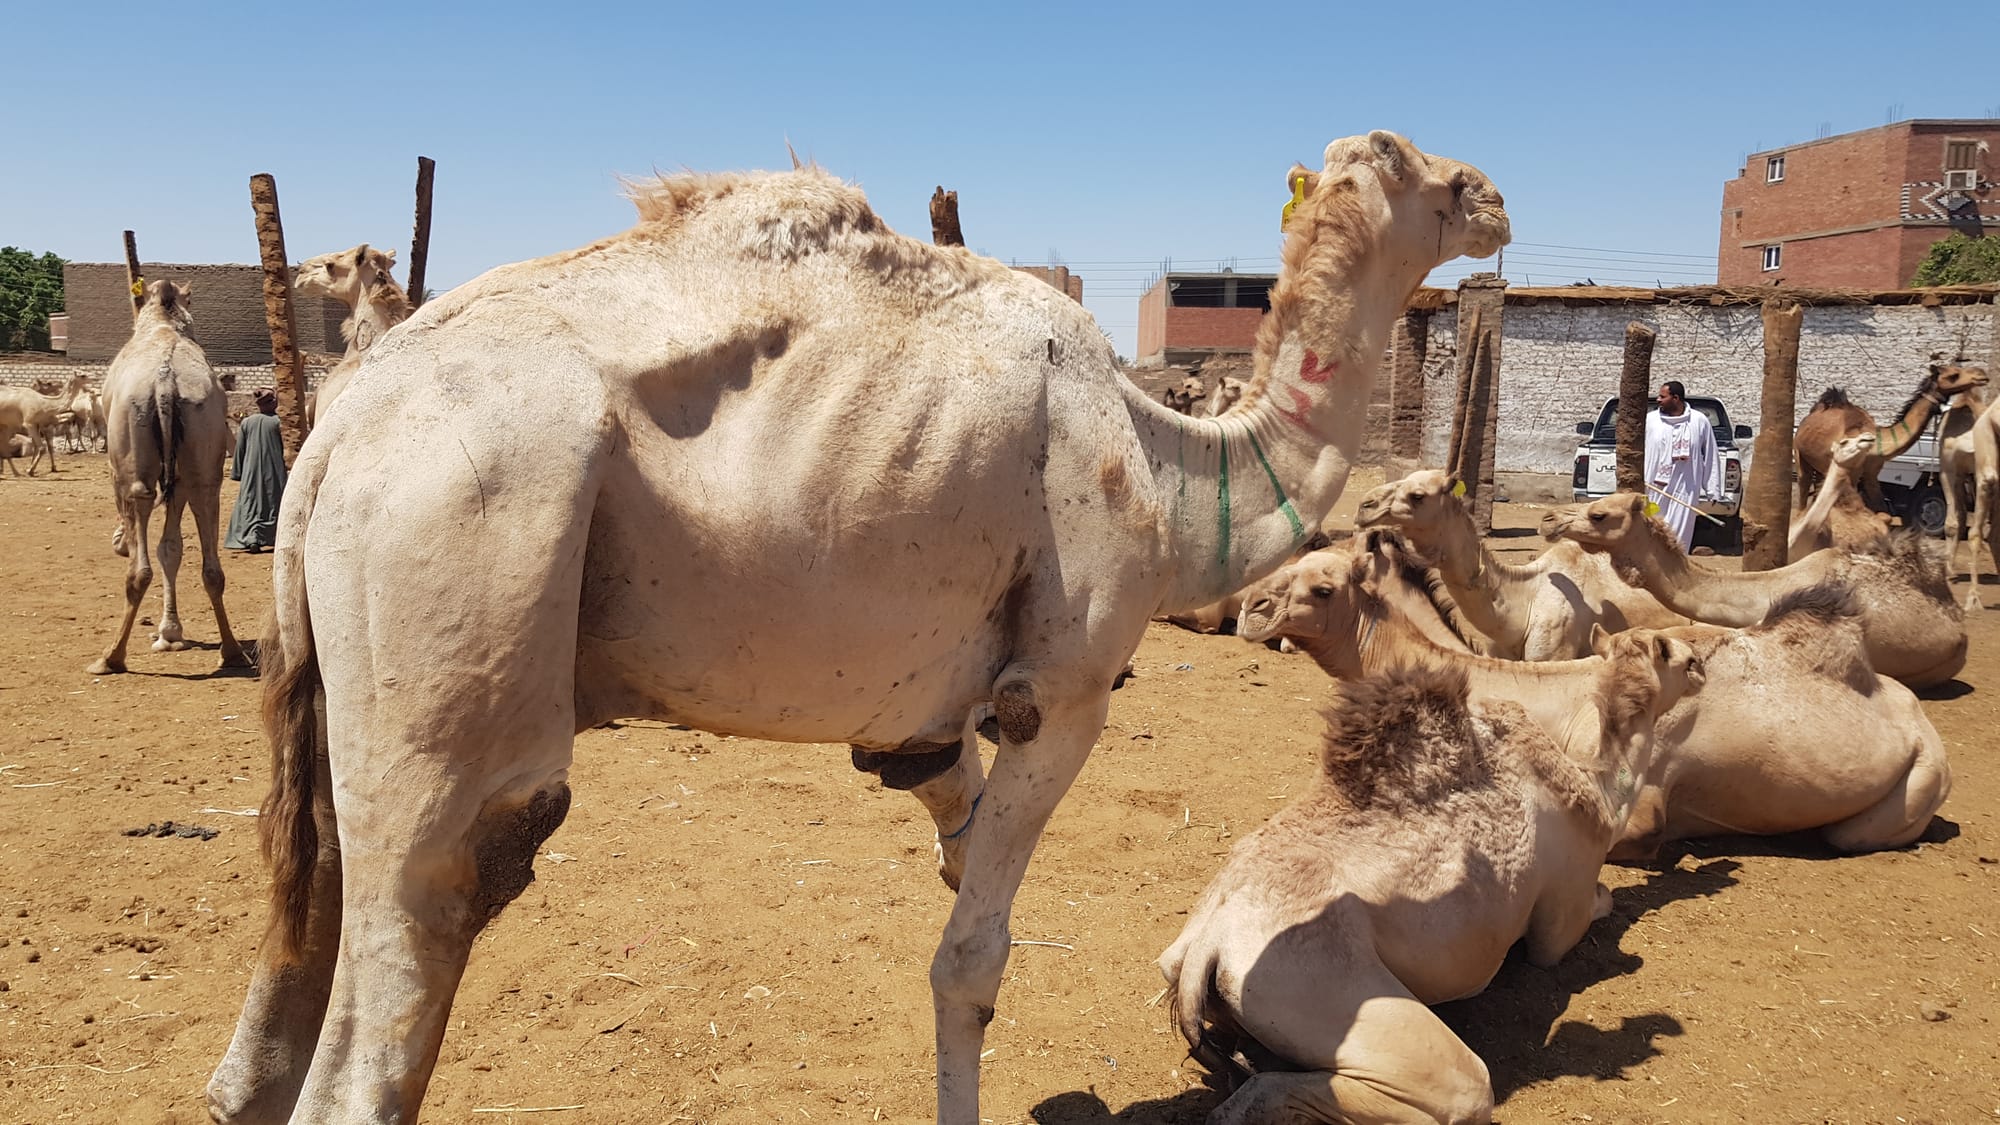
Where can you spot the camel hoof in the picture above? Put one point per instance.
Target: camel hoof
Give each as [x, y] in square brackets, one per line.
[237, 658]
[165, 645]
[106, 668]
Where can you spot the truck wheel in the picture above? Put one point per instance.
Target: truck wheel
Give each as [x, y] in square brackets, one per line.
[1927, 510]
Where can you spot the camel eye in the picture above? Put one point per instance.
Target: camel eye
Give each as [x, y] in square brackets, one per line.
[1597, 517]
[1322, 591]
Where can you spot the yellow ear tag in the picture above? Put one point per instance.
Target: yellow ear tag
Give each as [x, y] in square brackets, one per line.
[1298, 197]
[1458, 488]
[1652, 507]
[138, 287]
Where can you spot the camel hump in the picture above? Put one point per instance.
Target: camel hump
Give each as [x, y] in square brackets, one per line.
[1825, 602]
[1832, 398]
[1402, 739]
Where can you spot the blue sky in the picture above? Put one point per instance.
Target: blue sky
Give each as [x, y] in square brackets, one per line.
[1109, 137]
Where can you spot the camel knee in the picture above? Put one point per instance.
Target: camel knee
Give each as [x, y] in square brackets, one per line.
[136, 582]
[509, 840]
[1017, 709]
[212, 579]
[966, 969]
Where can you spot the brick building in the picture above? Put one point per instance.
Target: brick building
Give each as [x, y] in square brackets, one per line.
[1058, 276]
[1859, 210]
[228, 302]
[1187, 317]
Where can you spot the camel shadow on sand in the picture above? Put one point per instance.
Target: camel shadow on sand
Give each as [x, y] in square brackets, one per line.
[1515, 1025]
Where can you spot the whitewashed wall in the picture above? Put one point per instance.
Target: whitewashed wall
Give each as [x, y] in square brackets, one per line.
[1558, 363]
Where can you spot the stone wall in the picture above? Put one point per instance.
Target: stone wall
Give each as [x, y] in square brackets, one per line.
[1559, 362]
[242, 379]
[228, 302]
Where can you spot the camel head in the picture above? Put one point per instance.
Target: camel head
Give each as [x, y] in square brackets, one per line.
[344, 274]
[1228, 391]
[1850, 451]
[171, 300]
[1423, 209]
[1183, 397]
[1958, 378]
[1419, 504]
[1302, 599]
[1600, 525]
[1665, 665]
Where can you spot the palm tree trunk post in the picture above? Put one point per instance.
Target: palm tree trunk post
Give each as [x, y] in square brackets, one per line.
[1476, 426]
[420, 241]
[1635, 393]
[944, 218]
[1407, 344]
[288, 369]
[1767, 495]
[134, 279]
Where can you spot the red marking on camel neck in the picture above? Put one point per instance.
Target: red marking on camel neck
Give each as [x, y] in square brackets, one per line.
[1299, 411]
[1311, 371]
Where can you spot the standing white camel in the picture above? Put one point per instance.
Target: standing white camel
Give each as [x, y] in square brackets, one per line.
[168, 434]
[636, 449]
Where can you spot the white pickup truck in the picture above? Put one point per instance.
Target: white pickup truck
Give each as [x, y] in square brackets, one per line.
[1914, 486]
[1597, 456]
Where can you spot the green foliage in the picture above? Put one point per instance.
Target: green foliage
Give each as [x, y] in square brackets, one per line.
[30, 289]
[1959, 260]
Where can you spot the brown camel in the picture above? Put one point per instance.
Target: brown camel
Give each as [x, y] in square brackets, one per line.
[1914, 630]
[635, 449]
[1834, 417]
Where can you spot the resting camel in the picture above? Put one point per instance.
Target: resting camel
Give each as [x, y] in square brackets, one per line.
[1793, 732]
[1182, 399]
[1915, 632]
[167, 436]
[1969, 455]
[1834, 417]
[1439, 831]
[1837, 517]
[360, 278]
[759, 362]
[36, 414]
[1543, 610]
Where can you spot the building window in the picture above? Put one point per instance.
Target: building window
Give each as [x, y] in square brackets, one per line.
[1772, 256]
[1774, 171]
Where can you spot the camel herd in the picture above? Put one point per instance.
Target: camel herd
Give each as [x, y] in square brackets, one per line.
[644, 443]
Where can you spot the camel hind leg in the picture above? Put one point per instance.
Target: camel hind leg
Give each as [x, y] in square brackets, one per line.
[1905, 811]
[169, 636]
[206, 505]
[135, 512]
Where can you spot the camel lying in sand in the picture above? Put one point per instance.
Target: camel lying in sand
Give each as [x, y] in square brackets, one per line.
[1914, 629]
[1439, 831]
[1793, 731]
[1543, 610]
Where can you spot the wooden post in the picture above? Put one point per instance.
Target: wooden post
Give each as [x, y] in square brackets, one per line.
[1476, 424]
[944, 218]
[1767, 495]
[420, 241]
[134, 278]
[1635, 394]
[1408, 341]
[288, 368]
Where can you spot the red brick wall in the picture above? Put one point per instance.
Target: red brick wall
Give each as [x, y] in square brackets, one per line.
[1210, 328]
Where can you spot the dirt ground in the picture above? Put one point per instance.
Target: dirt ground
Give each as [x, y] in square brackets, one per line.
[735, 931]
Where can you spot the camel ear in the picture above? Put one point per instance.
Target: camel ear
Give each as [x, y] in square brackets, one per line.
[1600, 639]
[1387, 149]
[389, 256]
[1456, 487]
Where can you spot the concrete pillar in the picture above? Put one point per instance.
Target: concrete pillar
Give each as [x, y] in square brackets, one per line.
[1408, 341]
[1475, 430]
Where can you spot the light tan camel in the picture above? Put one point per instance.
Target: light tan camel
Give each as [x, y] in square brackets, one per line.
[1228, 392]
[167, 436]
[360, 278]
[37, 415]
[1793, 732]
[1183, 397]
[1834, 417]
[1969, 455]
[1542, 610]
[1915, 632]
[1438, 832]
[599, 435]
[1837, 516]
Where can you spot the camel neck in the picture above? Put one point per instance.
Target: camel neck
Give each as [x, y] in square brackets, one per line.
[1901, 434]
[1244, 490]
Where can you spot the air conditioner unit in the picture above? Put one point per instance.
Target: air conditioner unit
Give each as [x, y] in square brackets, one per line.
[1963, 179]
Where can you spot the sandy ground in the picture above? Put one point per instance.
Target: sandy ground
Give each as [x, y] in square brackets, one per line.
[728, 930]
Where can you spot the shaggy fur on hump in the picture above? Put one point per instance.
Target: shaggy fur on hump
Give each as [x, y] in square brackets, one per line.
[1826, 603]
[1402, 741]
[1907, 555]
[1830, 399]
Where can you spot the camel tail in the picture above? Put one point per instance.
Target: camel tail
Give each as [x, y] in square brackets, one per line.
[1192, 986]
[167, 425]
[290, 672]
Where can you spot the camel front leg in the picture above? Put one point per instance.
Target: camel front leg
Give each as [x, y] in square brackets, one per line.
[170, 638]
[1983, 534]
[1044, 743]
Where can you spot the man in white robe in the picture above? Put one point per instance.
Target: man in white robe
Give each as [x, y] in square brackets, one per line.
[1681, 462]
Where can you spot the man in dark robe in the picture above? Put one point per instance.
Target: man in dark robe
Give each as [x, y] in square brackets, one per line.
[260, 465]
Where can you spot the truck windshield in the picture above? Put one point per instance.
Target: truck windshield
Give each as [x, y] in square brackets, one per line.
[1607, 422]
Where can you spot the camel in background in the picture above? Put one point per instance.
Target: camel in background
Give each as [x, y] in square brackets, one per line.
[167, 437]
[359, 278]
[1834, 417]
